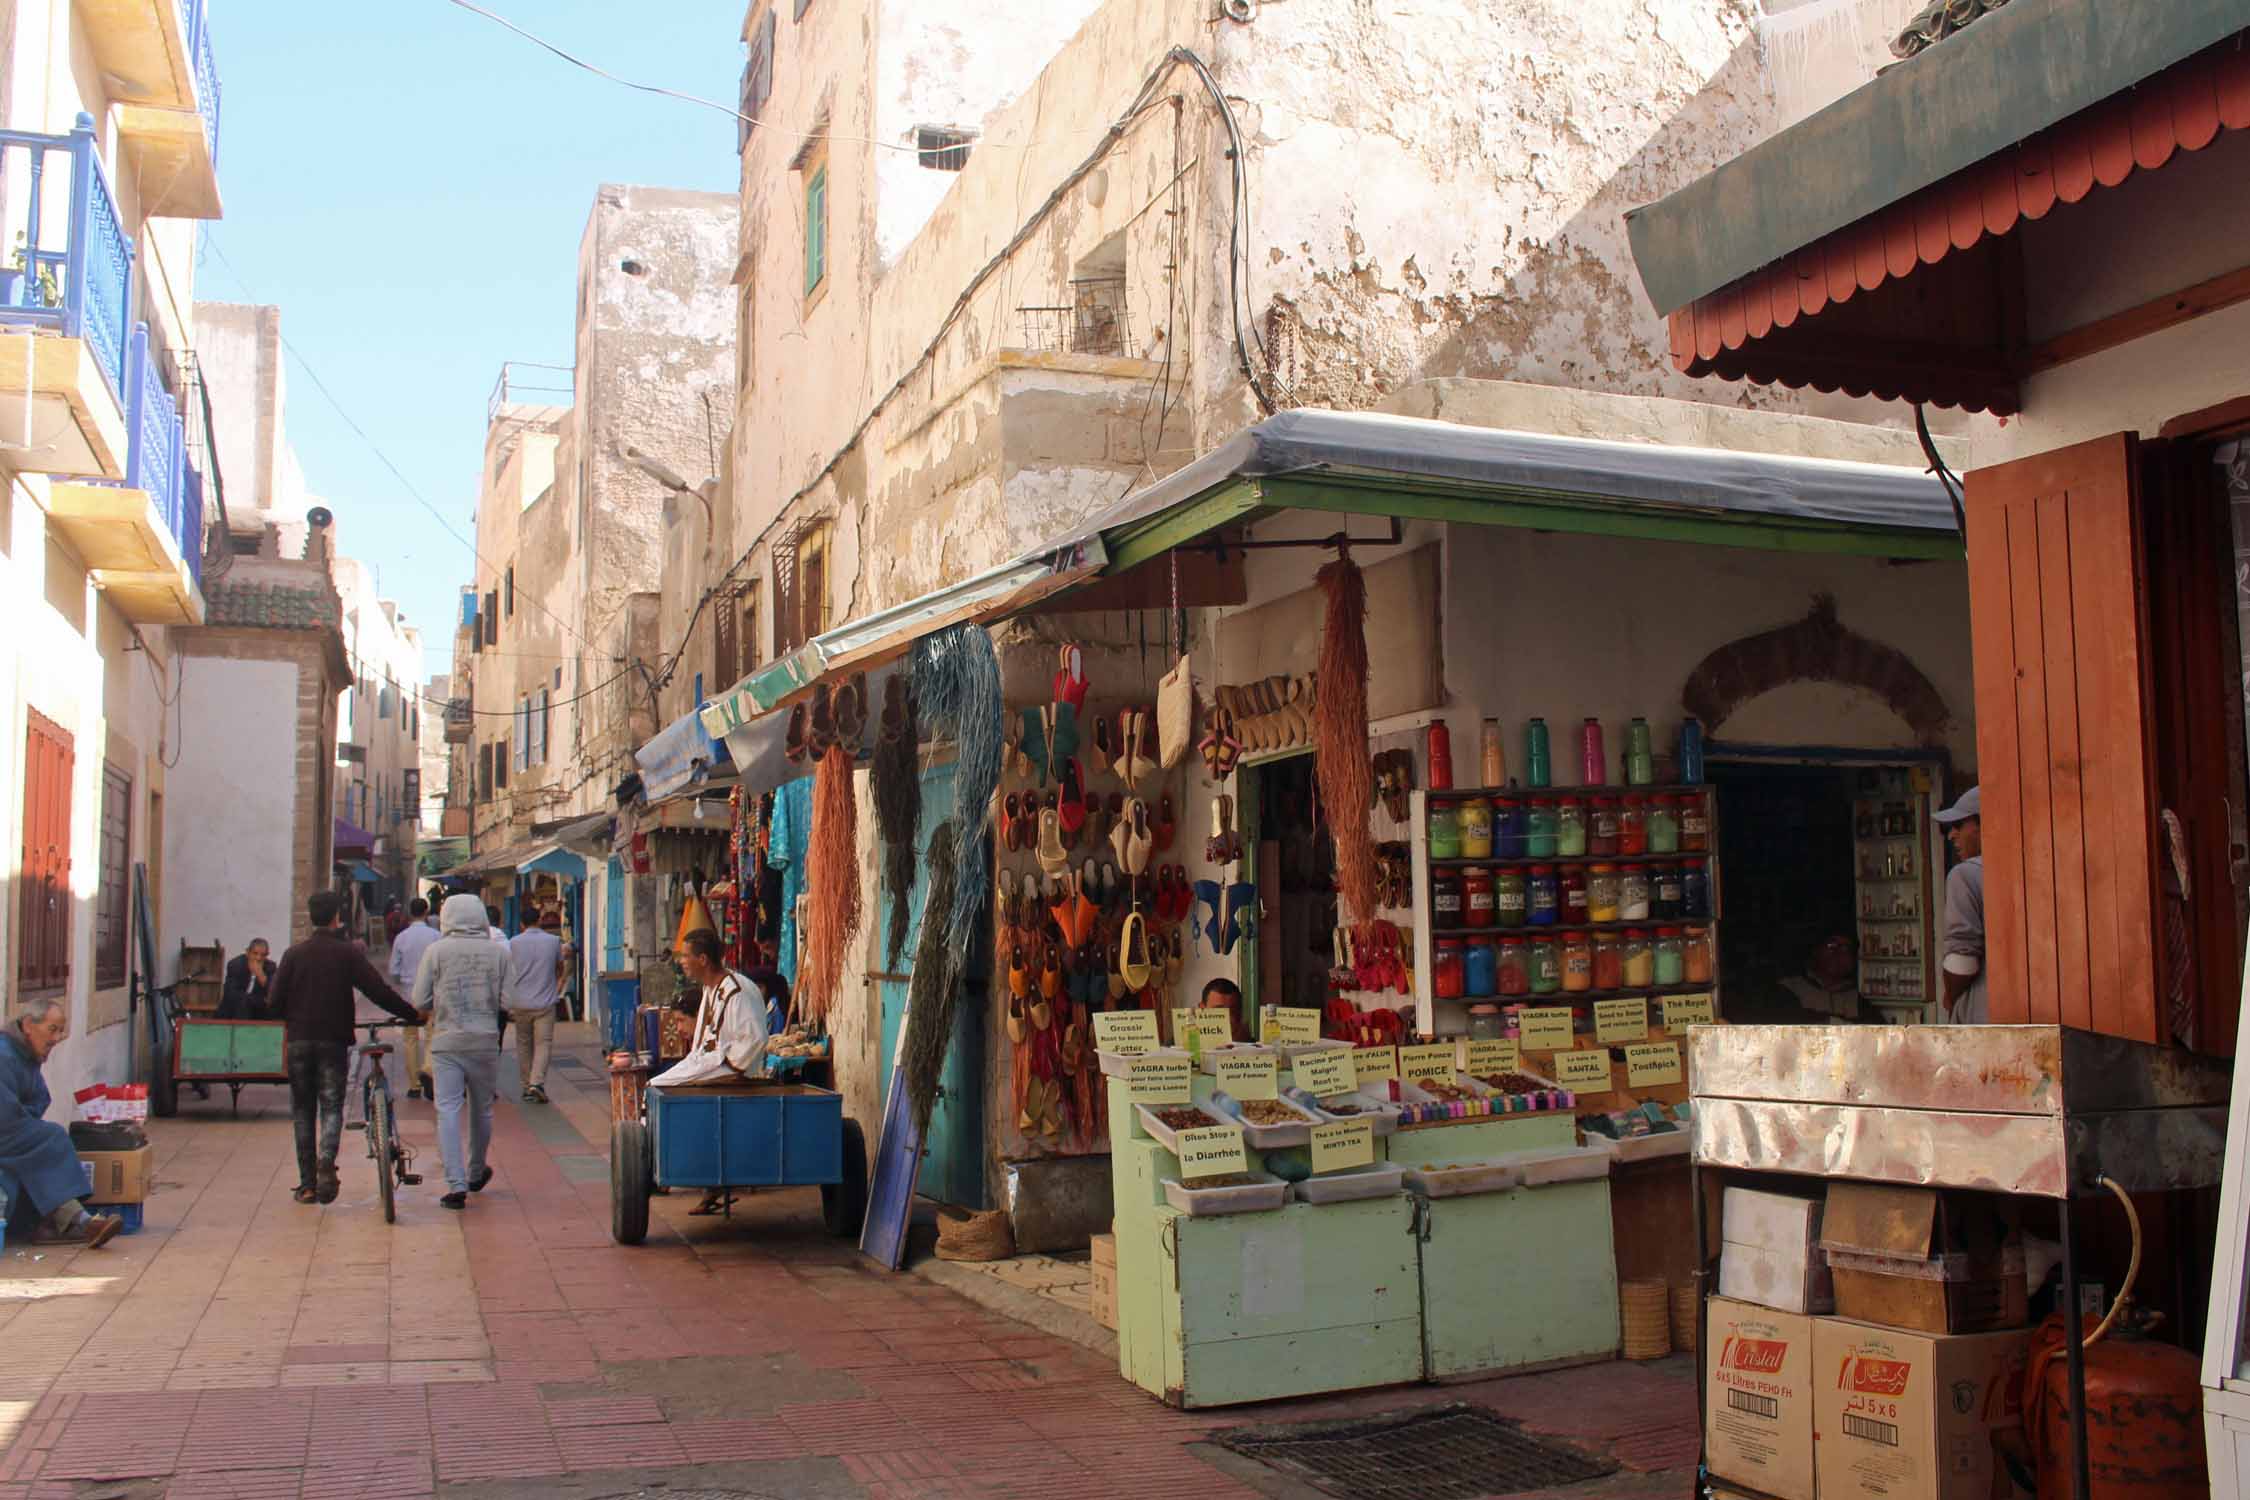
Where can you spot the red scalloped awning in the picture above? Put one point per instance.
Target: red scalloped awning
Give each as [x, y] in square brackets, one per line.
[1911, 300]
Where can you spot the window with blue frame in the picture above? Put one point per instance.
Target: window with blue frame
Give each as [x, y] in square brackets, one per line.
[613, 918]
[816, 229]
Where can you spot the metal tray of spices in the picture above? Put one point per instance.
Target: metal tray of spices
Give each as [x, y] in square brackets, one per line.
[1265, 1137]
[1235, 1196]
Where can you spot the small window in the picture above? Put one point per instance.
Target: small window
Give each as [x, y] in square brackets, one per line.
[113, 894]
[942, 148]
[757, 81]
[243, 543]
[500, 766]
[816, 229]
[492, 617]
[484, 772]
[509, 584]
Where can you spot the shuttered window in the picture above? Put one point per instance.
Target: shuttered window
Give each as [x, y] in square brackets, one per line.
[43, 903]
[114, 895]
[613, 918]
[2059, 630]
[757, 80]
[816, 229]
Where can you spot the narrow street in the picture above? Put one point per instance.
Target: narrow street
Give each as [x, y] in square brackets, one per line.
[243, 1346]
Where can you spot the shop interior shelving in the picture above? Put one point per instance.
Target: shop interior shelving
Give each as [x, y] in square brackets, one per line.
[1898, 891]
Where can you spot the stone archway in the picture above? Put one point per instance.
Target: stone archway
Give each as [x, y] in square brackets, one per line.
[1817, 648]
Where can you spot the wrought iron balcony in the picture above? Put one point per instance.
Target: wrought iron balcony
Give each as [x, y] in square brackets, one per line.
[460, 721]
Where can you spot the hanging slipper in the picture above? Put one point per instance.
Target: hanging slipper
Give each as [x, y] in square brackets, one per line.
[1097, 820]
[1208, 894]
[851, 711]
[1230, 750]
[1138, 839]
[1134, 965]
[1103, 753]
[1142, 749]
[1032, 744]
[1216, 850]
[1160, 899]
[1050, 985]
[1011, 824]
[1106, 892]
[1053, 857]
[1183, 893]
[1221, 722]
[1019, 980]
[1165, 823]
[793, 747]
[898, 714]
[820, 733]
[1175, 959]
[1070, 678]
[1297, 709]
[1063, 738]
[1071, 803]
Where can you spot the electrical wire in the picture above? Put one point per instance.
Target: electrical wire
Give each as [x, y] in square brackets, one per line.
[1238, 250]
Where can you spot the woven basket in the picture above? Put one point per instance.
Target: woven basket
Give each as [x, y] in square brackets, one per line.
[1646, 1309]
[1684, 1307]
[984, 1236]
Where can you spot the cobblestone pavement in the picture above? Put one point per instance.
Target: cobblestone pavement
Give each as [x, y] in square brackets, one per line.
[243, 1345]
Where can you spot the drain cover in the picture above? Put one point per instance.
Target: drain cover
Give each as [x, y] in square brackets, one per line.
[1454, 1452]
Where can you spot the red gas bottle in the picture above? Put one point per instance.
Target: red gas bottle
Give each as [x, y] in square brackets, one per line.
[2144, 1418]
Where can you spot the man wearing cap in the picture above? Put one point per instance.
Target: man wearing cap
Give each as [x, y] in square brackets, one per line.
[1962, 970]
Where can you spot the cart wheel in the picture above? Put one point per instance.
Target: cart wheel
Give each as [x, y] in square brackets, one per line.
[163, 1088]
[628, 1182]
[843, 1205]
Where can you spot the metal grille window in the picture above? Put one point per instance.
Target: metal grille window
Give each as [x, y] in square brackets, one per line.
[43, 905]
[800, 585]
[942, 148]
[734, 633]
[112, 897]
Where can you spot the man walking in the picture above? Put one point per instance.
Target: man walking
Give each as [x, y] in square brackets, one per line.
[1963, 967]
[406, 958]
[535, 969]
[39, 1170]
[313, 992]
[461, 985]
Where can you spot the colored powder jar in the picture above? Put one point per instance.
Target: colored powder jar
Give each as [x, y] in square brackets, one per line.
[1480, 968]
[1667, 892]
[1570, 827]
[1633, 894]
[1477, 898]
[1445, 830]
[1632, 826]
[1695, 823]
[1695, 956]
[1695, 890]
[1609, 961]
[1447, 979]
[1514, 965]
[1577, 962]
[1447, 896]
[1540, 829]
[1511, 827]
[1601, 893]
[1669, 962]
[1545, 893]
[1663, 825]
[1511, 898]
[1546, 966]
[1572, 879]
[1601, 826]
[1639, 962]
[1538, 766]
[1476, 829]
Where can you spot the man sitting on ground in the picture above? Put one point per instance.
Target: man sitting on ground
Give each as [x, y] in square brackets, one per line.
[39, 1169]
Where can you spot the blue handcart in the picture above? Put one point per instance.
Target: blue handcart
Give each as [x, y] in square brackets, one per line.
[756, 1134]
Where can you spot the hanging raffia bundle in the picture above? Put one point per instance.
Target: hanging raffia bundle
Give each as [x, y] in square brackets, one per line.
[831, 883]
[1347, 780]
[957, 688]
[934, 992]
[895, 778]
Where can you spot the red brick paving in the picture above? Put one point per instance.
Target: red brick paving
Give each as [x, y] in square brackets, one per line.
[243, 1346]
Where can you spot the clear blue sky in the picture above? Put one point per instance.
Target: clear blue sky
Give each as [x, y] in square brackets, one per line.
[408, 181]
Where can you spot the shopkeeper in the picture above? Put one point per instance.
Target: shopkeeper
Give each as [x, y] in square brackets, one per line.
[1963, 968]
[730, 1020]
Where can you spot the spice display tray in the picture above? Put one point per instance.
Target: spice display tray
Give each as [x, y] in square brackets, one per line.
[1211, 1055]
[1384, 1113]
[1120, 1064]
[1518, 861]
[1375, 1180]
[1267, 1192]
[1267, 1137]
[1465, 1179]
[1460, 793]
[1554, 1164]
[1163, 1134]
[1654, 1147]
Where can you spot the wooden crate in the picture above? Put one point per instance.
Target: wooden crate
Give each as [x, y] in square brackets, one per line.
[203, 977]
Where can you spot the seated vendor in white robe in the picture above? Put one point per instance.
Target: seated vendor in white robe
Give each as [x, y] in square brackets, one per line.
[730, 1021]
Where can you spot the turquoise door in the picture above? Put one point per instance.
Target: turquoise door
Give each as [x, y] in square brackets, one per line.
[953, 1147]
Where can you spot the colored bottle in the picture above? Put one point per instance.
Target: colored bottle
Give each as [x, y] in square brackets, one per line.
[1441, 757]
[1691, 751]
[1640, 758]
[1538, 769]
[1593, 761]
[1495, 755]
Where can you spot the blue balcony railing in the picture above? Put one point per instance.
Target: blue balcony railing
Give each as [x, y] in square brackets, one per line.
[206, 72]
[156, 462]
[69, 263]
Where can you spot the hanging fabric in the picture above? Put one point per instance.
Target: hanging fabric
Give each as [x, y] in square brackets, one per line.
[957, 687]
[934, 991]
[895, 781]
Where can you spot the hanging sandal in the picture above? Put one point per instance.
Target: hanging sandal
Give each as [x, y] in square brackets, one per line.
[1104, 757]
[1072, 803]
[1137, 838]
[898, 710]
[1134, 964]
[820, 730]
[1053, 857]
[1165, 824]
[793, 746]
[1011, 826]
[851, 712]
[1070, 678]
[1138, 749]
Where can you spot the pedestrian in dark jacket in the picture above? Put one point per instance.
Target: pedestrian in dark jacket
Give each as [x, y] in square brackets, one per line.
[312, 992]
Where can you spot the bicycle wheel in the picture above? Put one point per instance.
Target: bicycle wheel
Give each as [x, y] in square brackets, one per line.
[381, 1142]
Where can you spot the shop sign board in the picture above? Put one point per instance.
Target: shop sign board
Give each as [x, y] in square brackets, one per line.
[1288, 1023]
[1160, 1078]
[1687, 1010]
[1431, 1060]
[1375, 1064]
[1545, 1028]
[1650, 1063]
[1248, 1077]
[1338, 1144]
[1326, 1071]
[1496, 1054]
[1125, 1031]
[1583, 1070]
[1212, 1151]
[1213, 1025]
[1621, 1020]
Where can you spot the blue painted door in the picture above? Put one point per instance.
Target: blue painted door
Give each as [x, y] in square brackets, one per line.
[613, 918]
[953, 1148]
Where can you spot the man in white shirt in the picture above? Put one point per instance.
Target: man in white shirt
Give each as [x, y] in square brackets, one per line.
[407, 948]
[731, 1035]
[1962, 973]
[535, 968]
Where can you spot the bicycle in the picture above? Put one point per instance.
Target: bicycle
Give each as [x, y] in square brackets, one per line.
[379, 1110]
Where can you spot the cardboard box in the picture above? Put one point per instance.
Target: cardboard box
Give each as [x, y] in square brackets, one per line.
[117, 1176]
[1758, 1376]
[1912, 1416]
[1919, 1259]
[1770, 1252]
[1101, 1299]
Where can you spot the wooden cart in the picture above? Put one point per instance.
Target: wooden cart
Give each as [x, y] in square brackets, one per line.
[764, 1134]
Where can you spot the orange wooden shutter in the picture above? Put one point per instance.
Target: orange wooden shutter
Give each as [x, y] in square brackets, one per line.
[43, 941]
[2059, 630]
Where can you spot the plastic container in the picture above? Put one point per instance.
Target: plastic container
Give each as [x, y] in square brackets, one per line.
[1445, 830]
[1476, 828]
[1163, 1134]
[1574, 909]
[1480, 970]
[1695, 890]
[1448, 893]
[1601, 826]
[1543, 897]
[1609, 961]
[1493, 754]
[1663, 825]
[1545, 958]
[1476, 898]
[1667, 892]
[1570, 827]
[1691, 750]
[1362, 1104]
[1593, 761]
[1513, 966]
[1601, 893]
[1511, 827]
[1632, 825]
[1695, 822]
[1267, 1137]
[1577, 963]
[1640, 760]
[1440, 757]
[1486, 1023]
[1669, 957]
[1639, 962]
[1695, 956]
[1448, 977]
[1511, 898]
[1377, 1179]
[1633, 893]
[1539, 829]
[1464, 1179]
[1267, 1192]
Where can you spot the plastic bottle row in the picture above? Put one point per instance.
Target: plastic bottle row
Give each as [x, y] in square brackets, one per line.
[1570, 963]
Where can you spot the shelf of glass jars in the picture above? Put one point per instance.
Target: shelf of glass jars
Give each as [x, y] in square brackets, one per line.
[1519, 861]
[1564, 929]
[1586, 997]
[1525, 793]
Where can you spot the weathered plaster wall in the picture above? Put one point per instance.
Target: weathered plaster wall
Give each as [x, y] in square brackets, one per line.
[1813, 52]
[227, 866]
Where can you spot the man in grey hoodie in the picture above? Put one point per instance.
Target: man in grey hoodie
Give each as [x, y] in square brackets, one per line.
[460, 986]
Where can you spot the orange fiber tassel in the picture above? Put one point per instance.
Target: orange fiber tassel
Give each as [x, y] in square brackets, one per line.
[832, 884]
[1340, 755]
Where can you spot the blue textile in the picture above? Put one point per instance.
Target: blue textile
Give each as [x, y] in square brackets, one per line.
[33, 1148]
[792, 827]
